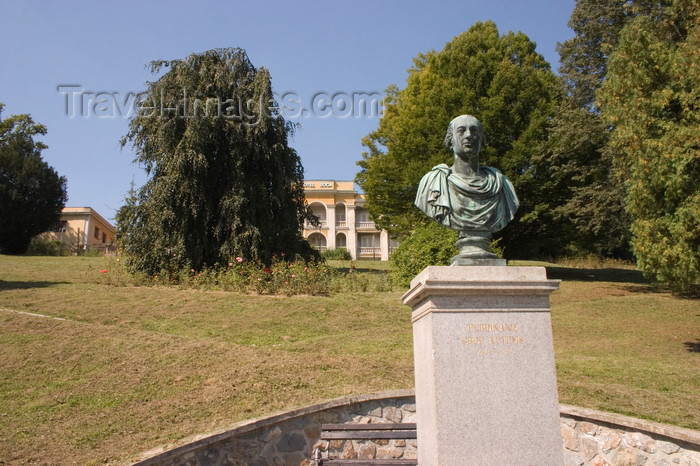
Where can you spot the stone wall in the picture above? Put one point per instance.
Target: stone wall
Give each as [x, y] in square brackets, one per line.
[292, 438]
[597, 438]
[589, 437]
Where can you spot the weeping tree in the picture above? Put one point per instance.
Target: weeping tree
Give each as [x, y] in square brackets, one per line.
[223, 181]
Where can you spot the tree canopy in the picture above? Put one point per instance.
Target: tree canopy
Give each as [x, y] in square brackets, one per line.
[589, 207]
[223, 182]
[651, 99]
[32, 194]
[501, 80]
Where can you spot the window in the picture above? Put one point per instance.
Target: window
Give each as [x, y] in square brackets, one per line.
[97, 233]
[368, 241]
[59, 226]
[340, 213]
[104, 237]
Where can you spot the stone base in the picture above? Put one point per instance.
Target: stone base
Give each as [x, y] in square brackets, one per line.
[486, 388]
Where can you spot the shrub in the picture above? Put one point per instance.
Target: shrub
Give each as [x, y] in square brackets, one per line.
[42, 247]
[338, 254]
[430, 244]
[280, 277]
[92, 252]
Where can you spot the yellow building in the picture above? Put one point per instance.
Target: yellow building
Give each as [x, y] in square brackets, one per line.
[344, 221]
[82, 228]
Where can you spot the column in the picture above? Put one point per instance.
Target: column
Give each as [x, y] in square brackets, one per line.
[352, 232]
[384, 244]
[330, 218]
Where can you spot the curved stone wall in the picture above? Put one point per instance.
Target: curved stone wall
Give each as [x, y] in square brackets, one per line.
[589, 437]
[597, 438]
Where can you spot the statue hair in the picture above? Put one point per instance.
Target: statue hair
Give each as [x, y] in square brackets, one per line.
[450, 131]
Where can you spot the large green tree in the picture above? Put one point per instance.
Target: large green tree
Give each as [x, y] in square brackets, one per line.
[223, 182]
[32, 194]
[589, 206]
[651, 98]
[501, 80]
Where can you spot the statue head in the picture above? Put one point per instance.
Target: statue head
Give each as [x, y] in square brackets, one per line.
[465, 136]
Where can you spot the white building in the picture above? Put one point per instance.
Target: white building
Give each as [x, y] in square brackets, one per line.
[344, 221]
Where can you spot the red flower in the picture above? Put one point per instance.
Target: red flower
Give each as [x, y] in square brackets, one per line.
[103, 271]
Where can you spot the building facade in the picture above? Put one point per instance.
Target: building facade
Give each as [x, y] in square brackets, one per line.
[344, 221]
[82, 228]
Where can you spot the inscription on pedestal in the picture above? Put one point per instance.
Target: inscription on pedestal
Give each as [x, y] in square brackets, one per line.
[482, 343]
[484, 339]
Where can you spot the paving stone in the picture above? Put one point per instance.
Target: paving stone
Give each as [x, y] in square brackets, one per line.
[208, 457]
[393, 414]
[336, 444]
[571, 458]
[570, 438]
[641, 441]
[367, 451]
[569, 422]
[589, 447]
[667, 447]
[273, 434]
[348, 451]
[625, 456]
[291, 442]
[312, 432]
[411, 407]
[588, 428]
[608, 439]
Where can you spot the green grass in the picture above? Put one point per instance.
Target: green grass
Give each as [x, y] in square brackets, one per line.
[132, 368]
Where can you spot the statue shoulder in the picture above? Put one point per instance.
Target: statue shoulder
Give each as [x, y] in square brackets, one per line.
[442, 168]
[435, 179]
[490, 171]
[438, 171]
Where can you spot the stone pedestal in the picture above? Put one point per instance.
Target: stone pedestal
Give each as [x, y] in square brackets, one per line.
[486, 390]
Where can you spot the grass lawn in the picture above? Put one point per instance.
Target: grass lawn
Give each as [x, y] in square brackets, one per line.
[126, 369]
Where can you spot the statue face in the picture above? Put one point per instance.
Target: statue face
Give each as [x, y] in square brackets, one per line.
[466, 136]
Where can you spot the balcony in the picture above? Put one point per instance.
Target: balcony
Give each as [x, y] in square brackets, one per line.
[365, 226]
[321, 224]
[341, 224]
[369, 252]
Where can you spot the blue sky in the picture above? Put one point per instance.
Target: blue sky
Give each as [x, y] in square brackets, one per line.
[312, 48]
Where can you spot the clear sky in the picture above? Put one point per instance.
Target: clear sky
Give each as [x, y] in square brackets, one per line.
[312, 48]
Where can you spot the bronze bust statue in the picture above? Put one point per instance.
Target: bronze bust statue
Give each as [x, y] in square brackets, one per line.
[475, 200]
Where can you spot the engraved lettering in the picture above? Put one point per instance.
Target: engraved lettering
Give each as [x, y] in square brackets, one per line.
[505, 327]
[472, 341]
[504, 342]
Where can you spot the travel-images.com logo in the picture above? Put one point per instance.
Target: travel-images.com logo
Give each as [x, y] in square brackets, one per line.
[80, 103]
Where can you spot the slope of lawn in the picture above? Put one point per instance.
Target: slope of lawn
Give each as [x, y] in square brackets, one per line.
[102, 373]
